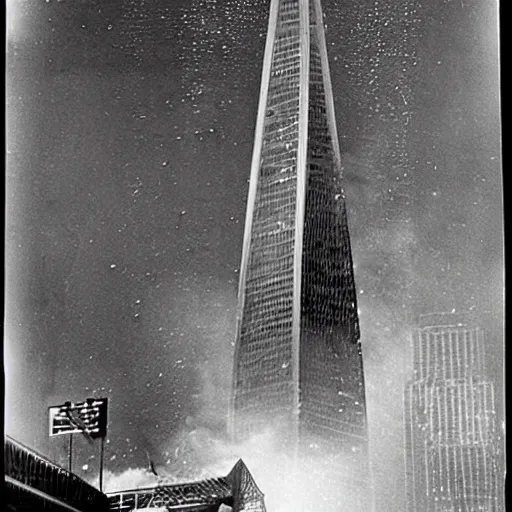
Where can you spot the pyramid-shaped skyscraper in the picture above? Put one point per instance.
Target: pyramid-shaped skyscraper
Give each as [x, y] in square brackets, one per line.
[298, 363]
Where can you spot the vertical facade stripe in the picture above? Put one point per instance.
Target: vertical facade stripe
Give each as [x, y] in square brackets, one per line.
[302, 174]
[329, 100]
[253, 184]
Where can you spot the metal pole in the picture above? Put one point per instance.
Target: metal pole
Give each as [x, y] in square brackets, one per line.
[70, 452]
[102, 452]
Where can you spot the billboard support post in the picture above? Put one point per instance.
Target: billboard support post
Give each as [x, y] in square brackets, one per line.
[70, 452]
[102, 453]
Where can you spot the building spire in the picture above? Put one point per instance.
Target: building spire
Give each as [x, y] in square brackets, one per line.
[298, 364]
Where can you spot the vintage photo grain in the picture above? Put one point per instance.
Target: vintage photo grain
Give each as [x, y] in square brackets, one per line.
[254, 256]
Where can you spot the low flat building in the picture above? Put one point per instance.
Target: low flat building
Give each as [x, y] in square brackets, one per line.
[235, 492]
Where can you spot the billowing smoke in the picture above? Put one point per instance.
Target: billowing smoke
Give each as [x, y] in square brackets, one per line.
[201, 448]
[385, 360]
[202, 453]
[132, 478]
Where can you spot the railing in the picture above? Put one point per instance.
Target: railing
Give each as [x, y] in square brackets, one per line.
[27, 471]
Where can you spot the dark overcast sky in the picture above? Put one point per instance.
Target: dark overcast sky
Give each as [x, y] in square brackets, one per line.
[130, 128]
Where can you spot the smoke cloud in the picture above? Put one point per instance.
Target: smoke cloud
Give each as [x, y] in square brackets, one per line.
[132, 478]
[201, 448]
[201, 454]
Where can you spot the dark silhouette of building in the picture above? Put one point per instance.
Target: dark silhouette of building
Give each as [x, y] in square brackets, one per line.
[452, 442]
[298, 365]
[32, 482]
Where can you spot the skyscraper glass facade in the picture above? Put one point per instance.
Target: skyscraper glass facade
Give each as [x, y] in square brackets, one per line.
[298, 362]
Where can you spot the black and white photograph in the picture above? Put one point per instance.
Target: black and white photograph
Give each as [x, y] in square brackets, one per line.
[254, 256]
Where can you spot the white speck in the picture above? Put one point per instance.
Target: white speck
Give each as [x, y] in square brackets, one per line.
[183, 212]
[85, 467]
[109, 27]
[137, 301]
[113, 265]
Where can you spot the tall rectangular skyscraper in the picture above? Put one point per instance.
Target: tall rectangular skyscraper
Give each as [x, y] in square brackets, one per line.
[298, 363]
[451, 441]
